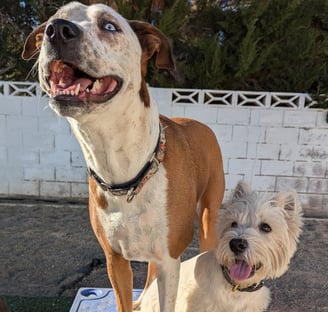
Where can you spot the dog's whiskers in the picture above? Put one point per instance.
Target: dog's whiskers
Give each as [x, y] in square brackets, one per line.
[34, 70]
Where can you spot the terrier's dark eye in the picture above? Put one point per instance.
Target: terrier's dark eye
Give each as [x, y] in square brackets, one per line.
[234, 224]
[264, 227]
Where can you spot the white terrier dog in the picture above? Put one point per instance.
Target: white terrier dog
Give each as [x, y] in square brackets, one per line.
[257, 238]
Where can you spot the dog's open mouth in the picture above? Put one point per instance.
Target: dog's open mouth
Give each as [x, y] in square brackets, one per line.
[69, 83]
[241, 271]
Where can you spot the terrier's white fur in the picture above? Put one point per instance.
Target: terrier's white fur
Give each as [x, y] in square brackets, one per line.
[271, 227]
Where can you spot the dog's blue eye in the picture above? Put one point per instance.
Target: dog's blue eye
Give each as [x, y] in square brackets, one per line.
[110, 27]
[264, 227]
[234, 224]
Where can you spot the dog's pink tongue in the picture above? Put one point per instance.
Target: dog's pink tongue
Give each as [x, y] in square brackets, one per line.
[240, 271]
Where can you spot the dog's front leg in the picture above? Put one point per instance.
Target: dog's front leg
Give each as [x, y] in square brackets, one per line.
[151, 275]
[120, 275]
[168, 280]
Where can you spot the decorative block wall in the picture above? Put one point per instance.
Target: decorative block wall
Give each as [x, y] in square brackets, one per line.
[272, 140]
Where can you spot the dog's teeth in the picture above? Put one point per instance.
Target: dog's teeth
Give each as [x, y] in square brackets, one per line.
[87, 90]
[96, 85]
[77, 89]
[72, 92]
[61, 82]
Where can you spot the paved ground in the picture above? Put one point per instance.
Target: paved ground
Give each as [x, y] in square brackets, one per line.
[48, 249]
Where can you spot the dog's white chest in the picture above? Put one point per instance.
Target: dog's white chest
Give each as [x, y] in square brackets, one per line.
[138, 230]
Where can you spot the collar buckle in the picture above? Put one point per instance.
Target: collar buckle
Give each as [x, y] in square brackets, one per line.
[130, 194]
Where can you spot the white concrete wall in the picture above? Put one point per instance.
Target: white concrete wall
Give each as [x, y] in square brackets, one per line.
[272, 148]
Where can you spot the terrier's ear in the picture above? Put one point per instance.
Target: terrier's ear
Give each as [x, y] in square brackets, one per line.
[289, 201]
[242, 189]
[33, 43]
[152, 42]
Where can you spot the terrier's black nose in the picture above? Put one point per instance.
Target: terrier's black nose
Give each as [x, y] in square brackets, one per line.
[62, 31]
[238, 245]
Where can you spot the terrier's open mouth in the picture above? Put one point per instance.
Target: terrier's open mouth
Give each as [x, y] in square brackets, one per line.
[241, 271]
[67, 82]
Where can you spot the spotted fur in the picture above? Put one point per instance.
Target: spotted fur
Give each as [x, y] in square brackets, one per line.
[119, 135]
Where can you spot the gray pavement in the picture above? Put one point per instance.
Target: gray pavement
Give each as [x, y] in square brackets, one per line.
[47, 248]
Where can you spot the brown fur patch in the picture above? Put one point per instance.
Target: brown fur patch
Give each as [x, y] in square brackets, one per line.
[144, 93]
[195, 174]
[99, 198]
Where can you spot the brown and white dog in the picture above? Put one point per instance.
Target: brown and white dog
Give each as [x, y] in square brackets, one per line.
[150, 176]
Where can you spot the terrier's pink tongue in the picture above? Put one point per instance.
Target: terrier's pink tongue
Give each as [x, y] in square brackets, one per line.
[240, 271]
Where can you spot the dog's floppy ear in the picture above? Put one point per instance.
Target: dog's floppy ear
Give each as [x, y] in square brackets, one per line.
[153, 41]
[33, 43]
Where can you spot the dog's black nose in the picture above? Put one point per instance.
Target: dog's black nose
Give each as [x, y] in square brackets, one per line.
[238, 245]
[62, 31]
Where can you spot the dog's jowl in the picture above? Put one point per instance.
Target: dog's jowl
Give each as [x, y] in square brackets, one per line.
[150, 176]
